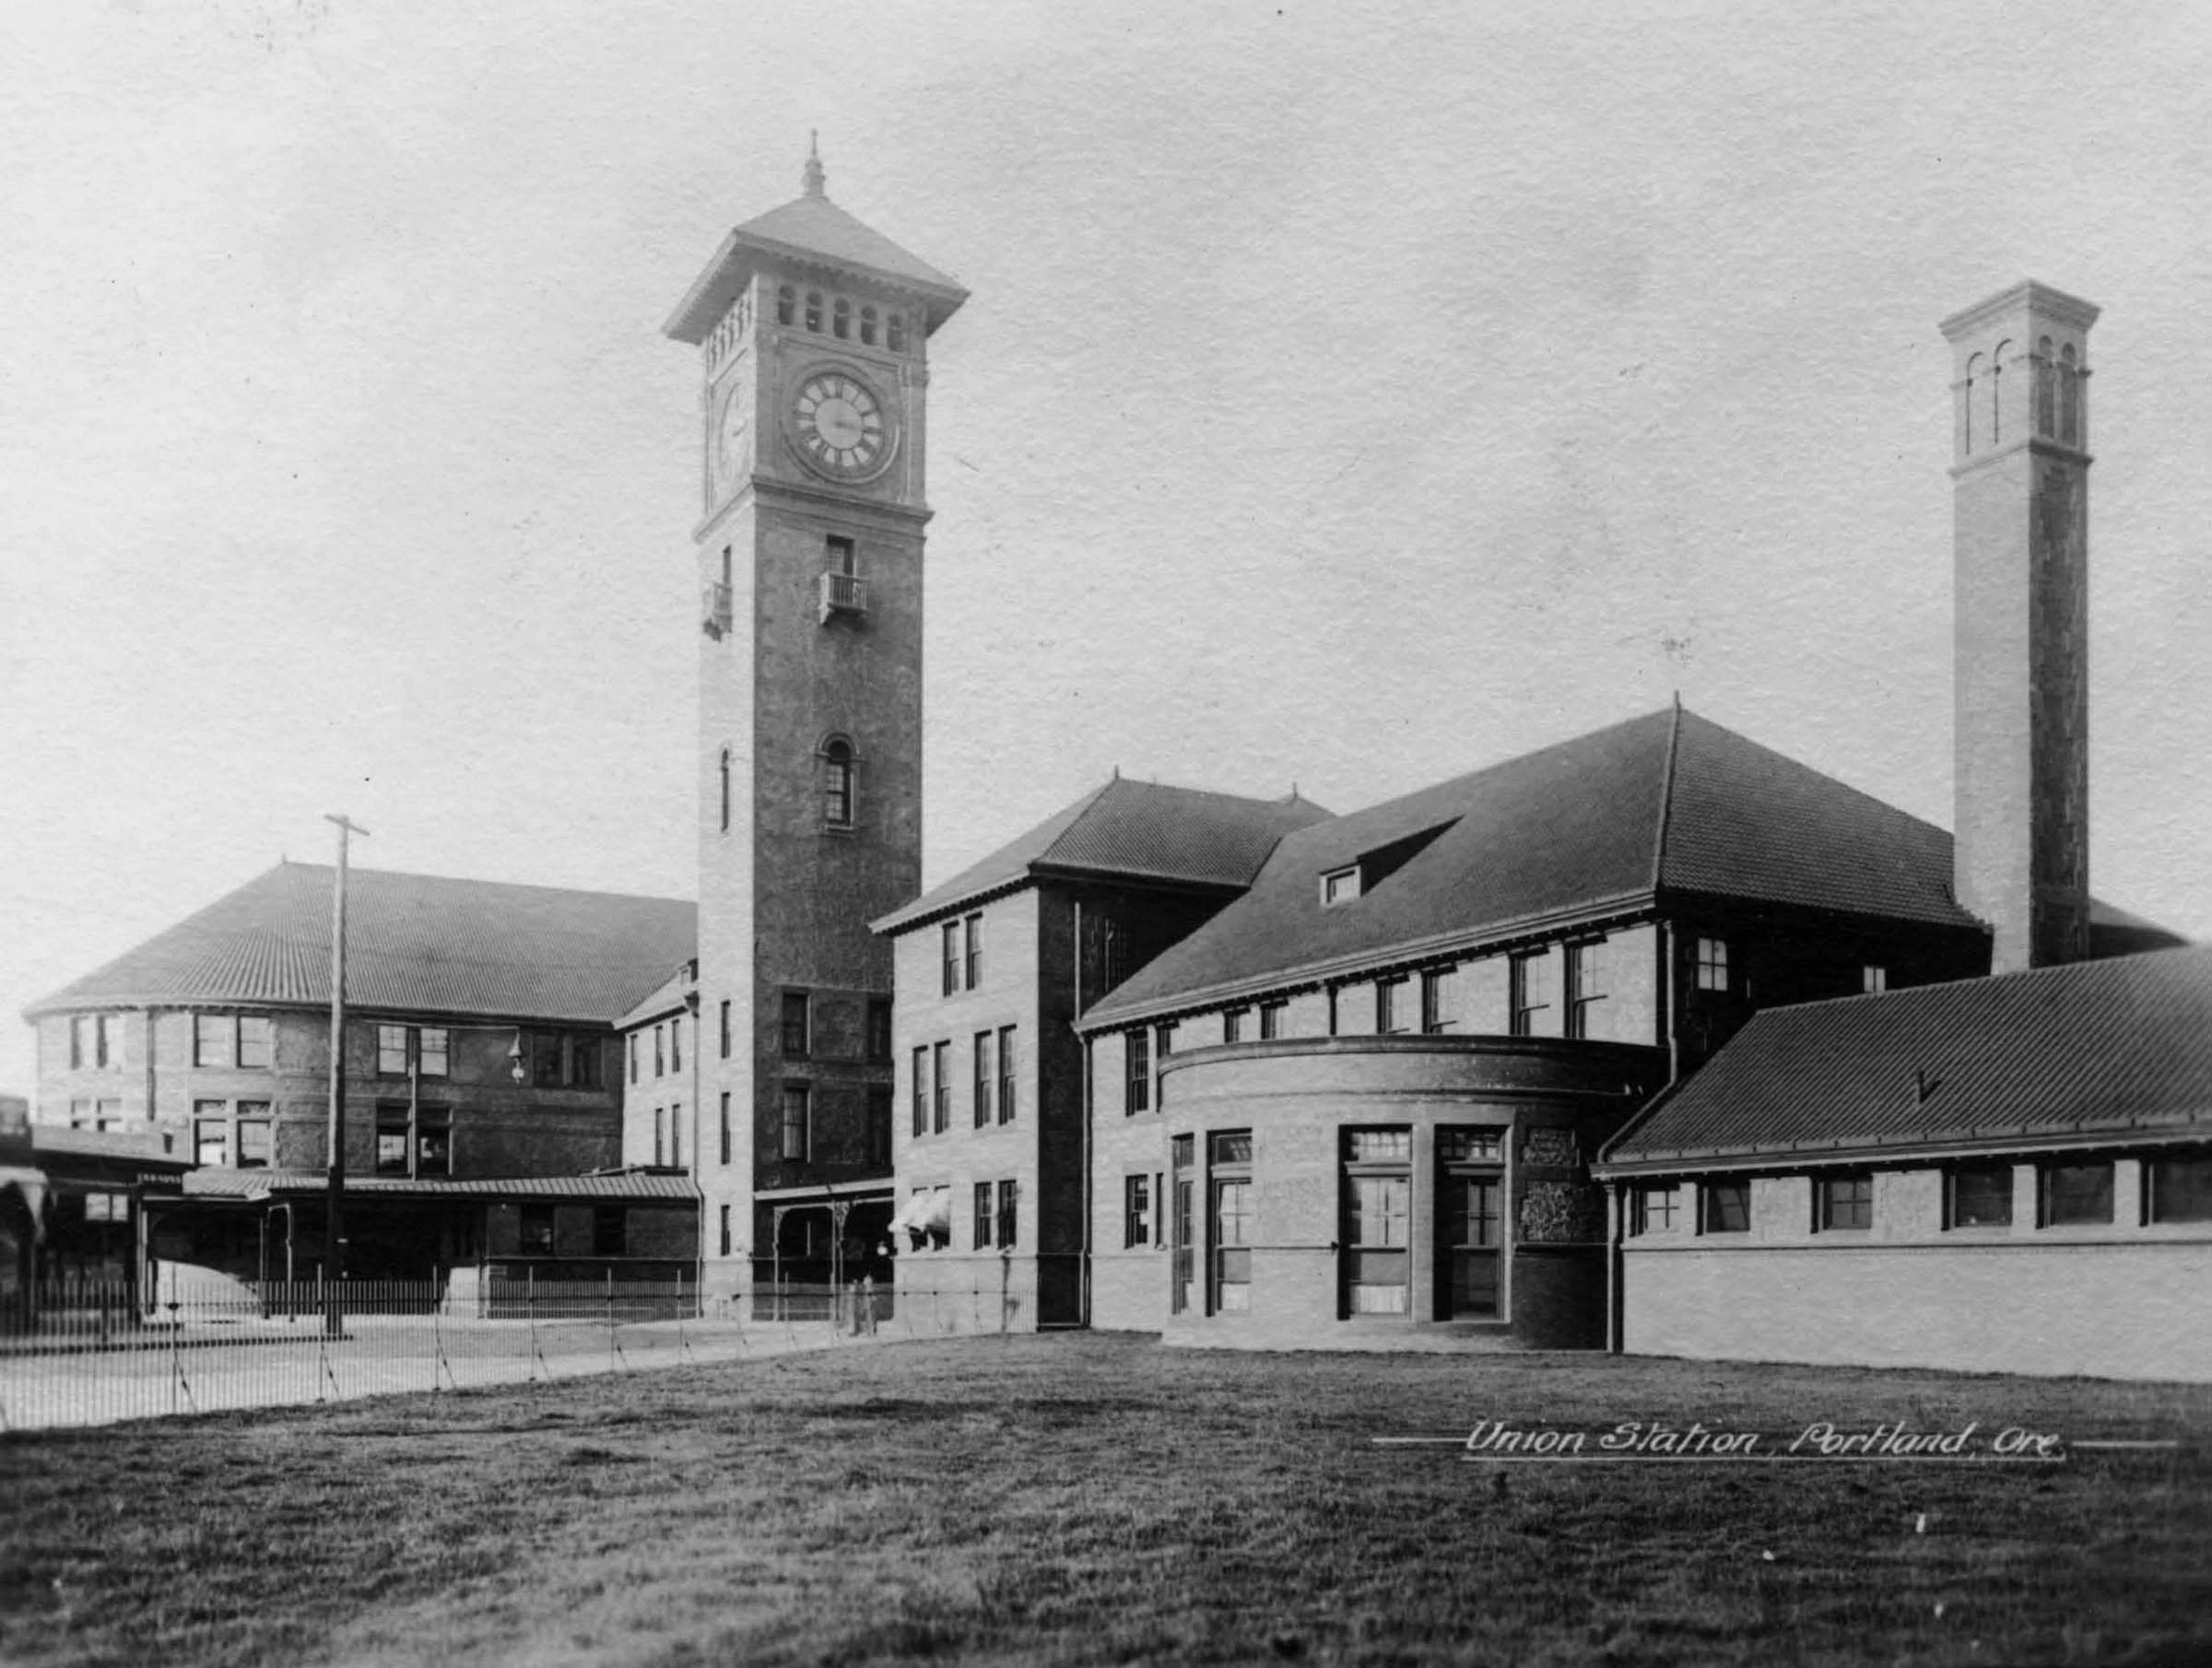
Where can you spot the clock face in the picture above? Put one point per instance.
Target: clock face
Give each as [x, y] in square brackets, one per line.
[840, 427]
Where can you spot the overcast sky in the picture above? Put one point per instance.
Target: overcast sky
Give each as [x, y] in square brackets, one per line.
[1350, 394]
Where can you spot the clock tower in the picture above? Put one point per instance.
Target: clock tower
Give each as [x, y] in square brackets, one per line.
[813, 332]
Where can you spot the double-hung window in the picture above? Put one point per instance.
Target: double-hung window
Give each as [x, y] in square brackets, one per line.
[1140, 1072]
[1006, 1074]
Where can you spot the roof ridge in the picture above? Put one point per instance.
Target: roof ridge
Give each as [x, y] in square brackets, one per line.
[1667, 794]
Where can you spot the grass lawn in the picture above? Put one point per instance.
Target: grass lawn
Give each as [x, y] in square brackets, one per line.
[1090, 1498]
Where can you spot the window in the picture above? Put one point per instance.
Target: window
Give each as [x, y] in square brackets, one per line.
[633, 1056]
[724, 1024]
[1163, 1042]
[724, 790]
[1340, 886]
[814, 309]
[921, 1075]
[435, 1050]
[1008, 1192]
[1872, 981]
[983, 1215]
[799, 1121]
[983, 1077]
[786, 304]
[894, 333]
[1235, 1227]
[836, 782]
[1712, 964]
[1136, 1211]
[725, 1230]
[842, 555]
[255, 1135]
[660, 1051]
[2069, 396]
[107, 1039]
[660, 1134]
[879, 1133]
[796, 1040]
[392, 1050]
[391, 1140]
[1183, 1280]
[108, 1115]
[584, 1061]
[1271, 1020]
[879, 1029]
[675, 1134]
[1586, 987]
[80, 1042]
[1845, 1203]
[974, 936]
[211, 1132]
[1006, 1074]
[940, 1062]
[951, 934]
[1725, 1208]
[433, 1142]
[1390, 1006]
[725, 1126]
[1376, 1225]
[2076, 1194]
[212, 1040]
[1978, 1195]
[1471, 1147]
[2181, 1187]
[1333, 995]
[867, 326]
[1440, 990]
[80, 1114]
[841, 319]
[1232, 1024]
[1653, 1207]
[2046, 389]
[1140, 1073]
[1531, 984]
[675, 1043]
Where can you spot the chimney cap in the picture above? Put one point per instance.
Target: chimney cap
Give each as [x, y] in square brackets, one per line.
[2026, 295]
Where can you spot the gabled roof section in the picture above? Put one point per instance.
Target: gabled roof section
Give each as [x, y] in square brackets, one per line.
[1666, 803]
[413, 943]
[2096, 1049]
[669, 998]
[809, 230]
[1130, 830]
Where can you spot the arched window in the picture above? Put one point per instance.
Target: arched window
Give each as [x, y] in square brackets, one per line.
[1996, 393]
[787, 303]
[895, 333]
[1966, 401]
[814, 309]
[725, 789]
[841, 319]
[867, 326]
[2069, 396]
[2046, 390]
[838, 771]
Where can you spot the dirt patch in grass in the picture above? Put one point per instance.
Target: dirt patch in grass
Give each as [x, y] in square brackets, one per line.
[1085, 1499]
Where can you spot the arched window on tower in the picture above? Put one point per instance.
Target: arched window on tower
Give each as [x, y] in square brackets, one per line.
[787, 303]
[839, 770]
[2046, 389]
[867, 327]
[2069, 396]
[895, 333]
[1965, 401]
[1996, 393]
[813, 310]
[841, 319]
[725, 789]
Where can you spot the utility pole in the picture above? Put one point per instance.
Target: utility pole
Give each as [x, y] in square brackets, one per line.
[334, 1220]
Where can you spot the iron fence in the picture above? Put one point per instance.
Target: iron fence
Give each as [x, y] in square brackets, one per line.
[97, 1355]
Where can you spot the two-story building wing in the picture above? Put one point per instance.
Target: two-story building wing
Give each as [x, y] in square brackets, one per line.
[992, 970]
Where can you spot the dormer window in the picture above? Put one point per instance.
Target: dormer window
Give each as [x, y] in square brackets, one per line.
[1340, 886]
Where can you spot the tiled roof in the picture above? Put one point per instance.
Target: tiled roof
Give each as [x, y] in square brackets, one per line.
[261, 1184]
[2096, 1049]
[414, 944]
[809, 226]
[1143, 831]
[1668, 802]
[141, 1146]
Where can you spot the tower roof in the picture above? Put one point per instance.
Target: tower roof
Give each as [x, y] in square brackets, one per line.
[809, 230]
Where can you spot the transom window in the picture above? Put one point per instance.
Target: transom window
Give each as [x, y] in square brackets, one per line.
[1470, 1147]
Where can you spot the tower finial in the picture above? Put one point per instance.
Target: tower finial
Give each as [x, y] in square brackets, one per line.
[814, 177]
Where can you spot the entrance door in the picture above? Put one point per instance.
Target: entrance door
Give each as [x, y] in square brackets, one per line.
[1471, 1238]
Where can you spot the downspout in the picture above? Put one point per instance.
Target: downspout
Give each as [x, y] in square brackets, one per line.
[153, 1107]
[1083, 1064]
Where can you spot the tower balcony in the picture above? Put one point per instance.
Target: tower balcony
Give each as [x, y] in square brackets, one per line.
[843, 593]
[714, 610]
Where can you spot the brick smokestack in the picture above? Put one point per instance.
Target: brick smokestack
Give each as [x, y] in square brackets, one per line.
[2020, 483]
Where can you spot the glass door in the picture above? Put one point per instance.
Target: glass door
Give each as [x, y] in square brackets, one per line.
[1232, 1242]
[1473, 1232]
